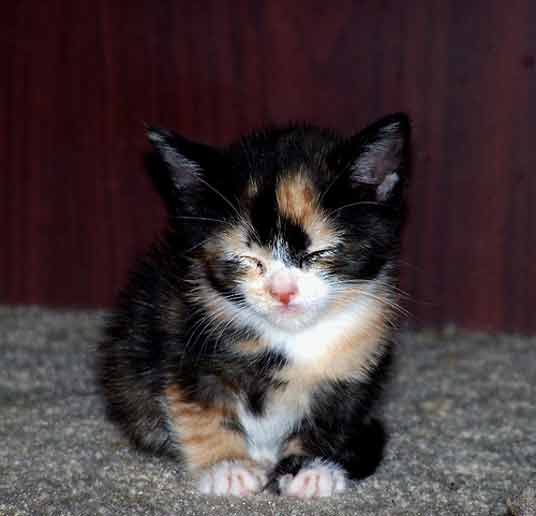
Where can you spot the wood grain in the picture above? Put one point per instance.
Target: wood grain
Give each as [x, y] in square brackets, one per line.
[80, 78]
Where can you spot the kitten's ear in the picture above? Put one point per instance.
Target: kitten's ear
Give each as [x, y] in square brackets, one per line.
[382, 150]
[185, 161]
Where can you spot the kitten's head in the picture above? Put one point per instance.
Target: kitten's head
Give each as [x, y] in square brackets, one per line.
[288, 224]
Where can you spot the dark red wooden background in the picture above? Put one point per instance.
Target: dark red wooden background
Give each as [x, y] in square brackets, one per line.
[79, 78]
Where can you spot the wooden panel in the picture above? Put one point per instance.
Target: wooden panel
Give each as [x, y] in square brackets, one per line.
[80, 78]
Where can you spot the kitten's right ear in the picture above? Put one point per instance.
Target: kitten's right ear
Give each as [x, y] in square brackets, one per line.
[382, 150]
[185, 161]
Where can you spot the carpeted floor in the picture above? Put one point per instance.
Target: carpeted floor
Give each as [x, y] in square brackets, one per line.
[461, 413]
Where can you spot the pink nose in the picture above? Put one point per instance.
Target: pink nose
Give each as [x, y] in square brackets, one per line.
[283, 288]
[284, 297]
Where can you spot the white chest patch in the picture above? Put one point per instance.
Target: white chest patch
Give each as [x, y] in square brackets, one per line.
[266, 434]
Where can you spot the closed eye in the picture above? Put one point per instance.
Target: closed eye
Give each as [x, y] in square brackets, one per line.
[317, 256]
[252, 262]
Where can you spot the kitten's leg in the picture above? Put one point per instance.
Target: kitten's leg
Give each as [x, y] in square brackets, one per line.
[359, 448]
[216, 454]
[331, 461]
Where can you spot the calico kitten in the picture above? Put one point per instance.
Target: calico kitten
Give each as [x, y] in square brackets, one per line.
[252, 341]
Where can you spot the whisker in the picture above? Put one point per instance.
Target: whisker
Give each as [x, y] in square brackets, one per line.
[196, 246]
[359, 203]
[207, 321]
[217, 192]
[388, 286]
[330, 185]
[383, 299]
[221, 327]
[203, 219]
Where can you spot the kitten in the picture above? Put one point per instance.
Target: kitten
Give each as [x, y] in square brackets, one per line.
[252, 341]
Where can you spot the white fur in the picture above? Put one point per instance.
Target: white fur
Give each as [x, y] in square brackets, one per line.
[265, 434]
[387, 186]
[232, 478]
[319, 479]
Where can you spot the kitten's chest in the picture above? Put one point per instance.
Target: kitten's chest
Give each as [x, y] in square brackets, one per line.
[340, 348]
[267, 433]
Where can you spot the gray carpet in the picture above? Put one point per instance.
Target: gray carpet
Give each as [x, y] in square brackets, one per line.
[461, 413]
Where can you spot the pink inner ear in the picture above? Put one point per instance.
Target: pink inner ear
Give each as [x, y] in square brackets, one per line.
[378, 164]
[379, 169]
[385, 159]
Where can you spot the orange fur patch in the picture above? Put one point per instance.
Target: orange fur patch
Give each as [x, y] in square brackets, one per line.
[201, 431]
[350, 357]
[250, 345]
[293, 447]
[296, 198]
[252, 189]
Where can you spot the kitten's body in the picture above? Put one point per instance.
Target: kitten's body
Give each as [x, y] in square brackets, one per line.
[253, 340]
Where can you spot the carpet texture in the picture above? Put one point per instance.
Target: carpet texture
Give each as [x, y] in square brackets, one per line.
[461, 413]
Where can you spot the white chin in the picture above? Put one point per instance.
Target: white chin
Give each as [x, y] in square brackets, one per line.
[291, 319]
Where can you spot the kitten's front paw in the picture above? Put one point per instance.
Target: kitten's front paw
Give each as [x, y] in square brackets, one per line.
[232, 478]
[320, 478]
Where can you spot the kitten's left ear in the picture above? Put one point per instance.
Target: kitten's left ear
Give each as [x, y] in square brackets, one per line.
[186, 162]
[382, 152]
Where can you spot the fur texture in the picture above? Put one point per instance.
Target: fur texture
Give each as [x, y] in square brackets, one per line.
[253, 340]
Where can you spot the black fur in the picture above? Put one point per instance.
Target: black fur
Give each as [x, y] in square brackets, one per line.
[338, 435]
